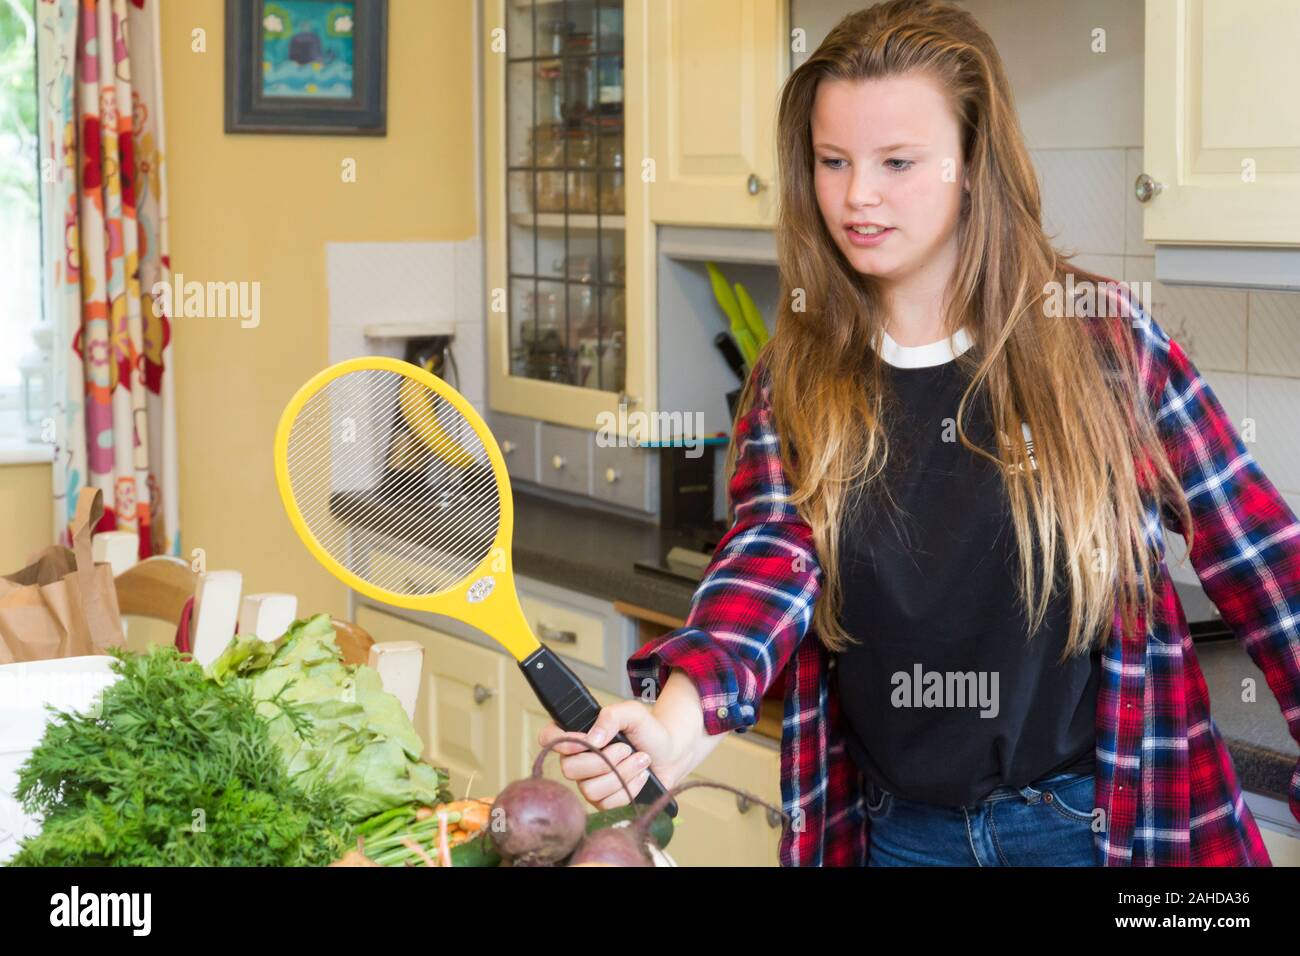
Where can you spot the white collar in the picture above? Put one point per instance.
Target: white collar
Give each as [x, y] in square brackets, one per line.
[920, 356]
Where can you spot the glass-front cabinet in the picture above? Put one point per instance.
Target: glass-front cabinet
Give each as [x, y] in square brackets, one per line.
[569, 247]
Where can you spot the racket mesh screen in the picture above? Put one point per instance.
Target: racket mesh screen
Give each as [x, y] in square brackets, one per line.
[394, 482]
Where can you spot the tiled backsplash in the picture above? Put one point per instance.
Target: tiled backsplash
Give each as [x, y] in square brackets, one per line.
[1246, 343]
[412, 283]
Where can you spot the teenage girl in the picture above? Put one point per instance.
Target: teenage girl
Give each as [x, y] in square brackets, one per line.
[948, 480]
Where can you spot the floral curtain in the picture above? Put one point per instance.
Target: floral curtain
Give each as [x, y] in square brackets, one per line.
[104, 212]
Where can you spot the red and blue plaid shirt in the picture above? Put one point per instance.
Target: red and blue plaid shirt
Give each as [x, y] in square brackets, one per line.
[1163, 773]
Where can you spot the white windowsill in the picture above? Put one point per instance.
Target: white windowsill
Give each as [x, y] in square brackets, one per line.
[17, 452]
[15, 449]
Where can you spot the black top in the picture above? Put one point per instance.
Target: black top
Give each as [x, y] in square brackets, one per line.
[944, 699]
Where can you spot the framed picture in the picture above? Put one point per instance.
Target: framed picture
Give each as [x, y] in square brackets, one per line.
[307, 66]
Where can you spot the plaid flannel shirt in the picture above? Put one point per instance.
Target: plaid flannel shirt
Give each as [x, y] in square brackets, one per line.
[1163, 773]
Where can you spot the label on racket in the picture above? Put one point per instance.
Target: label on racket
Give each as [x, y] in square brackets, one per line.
[481, 588]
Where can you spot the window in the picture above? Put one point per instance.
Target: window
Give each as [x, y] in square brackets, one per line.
[20, 230]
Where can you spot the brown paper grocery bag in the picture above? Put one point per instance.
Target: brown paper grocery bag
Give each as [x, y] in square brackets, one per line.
[62, 604]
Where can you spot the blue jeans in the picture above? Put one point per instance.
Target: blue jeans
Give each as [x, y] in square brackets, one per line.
[1048, 823]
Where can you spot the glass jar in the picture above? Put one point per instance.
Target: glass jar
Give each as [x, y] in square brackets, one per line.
[548, 144]
[550, 91]
[553, 37]
[550, 191]
[611, 141]
[609, 83]
[582, 176]
[613, 312]
[582, 313]
[611, 188]
[579, 78]
[542, 336]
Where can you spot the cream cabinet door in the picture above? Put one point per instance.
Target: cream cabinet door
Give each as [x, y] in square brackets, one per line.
[569, 252]
[460, 709]
[715, 73]
[714, 828]
[1222, 131]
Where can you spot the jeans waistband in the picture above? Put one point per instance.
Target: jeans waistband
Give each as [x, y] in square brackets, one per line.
[1006, 792]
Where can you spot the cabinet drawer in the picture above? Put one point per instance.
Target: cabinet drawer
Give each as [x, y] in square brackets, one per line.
[618, 475]
[572, 632]
[518, 440]
[565, 459]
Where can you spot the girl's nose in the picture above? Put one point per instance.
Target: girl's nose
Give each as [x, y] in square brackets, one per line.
[863, 191]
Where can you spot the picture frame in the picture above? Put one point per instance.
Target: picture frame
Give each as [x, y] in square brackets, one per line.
[309, 67]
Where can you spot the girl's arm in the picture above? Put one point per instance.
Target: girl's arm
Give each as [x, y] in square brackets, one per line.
[1246, 539]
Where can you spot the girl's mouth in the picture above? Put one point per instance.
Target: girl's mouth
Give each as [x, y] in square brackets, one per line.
[861, 240]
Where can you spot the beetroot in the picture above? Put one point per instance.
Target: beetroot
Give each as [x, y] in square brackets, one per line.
[626, 846]
[541, 820]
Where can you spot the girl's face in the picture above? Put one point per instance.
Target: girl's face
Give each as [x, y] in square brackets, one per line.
[888, 153]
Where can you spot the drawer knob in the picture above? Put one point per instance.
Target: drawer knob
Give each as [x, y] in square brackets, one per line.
[557, 462]
[508, 446]
[744, 805]
[482, 693]
[611, 475]
[555, 635]
[754, 185]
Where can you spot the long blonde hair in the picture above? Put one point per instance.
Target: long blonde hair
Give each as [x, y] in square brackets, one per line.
[1075, 383]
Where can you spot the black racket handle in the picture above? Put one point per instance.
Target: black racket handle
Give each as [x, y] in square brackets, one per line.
[568, 701]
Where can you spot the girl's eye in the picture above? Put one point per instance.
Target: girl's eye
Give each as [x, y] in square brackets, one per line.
[827, 163]
[907, 164]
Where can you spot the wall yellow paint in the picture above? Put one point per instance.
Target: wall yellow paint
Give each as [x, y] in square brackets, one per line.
[261, 208]
[26, 513]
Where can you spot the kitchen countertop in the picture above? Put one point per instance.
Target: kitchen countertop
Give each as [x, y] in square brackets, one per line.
[593, 552]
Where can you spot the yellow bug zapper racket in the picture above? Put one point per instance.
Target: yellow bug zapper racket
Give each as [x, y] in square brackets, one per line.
[396, 485]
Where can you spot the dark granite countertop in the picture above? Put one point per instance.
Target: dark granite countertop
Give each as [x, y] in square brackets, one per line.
[594, 552]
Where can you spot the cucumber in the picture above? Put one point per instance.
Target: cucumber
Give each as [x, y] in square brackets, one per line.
[480, 851]
[476, 852]
[661, 827]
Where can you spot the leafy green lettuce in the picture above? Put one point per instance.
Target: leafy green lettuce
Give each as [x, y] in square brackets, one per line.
[360, 737]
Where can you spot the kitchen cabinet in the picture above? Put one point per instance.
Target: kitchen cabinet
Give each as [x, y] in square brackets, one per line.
[579, 462]
[1222, 134]
[715, 74]
[568, 241]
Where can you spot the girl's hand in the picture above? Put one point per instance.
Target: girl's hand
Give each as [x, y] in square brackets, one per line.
[654, 750]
